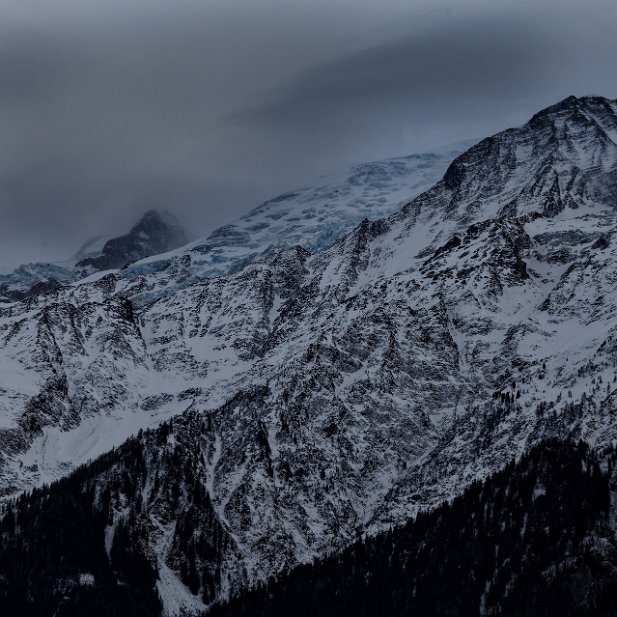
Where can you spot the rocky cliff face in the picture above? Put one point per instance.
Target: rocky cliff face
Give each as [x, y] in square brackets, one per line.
[534, 539]
[337, 393]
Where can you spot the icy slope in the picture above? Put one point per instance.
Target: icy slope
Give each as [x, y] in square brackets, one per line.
[314, 218]
[19, 283]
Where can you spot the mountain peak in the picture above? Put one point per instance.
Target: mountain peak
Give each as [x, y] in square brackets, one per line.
[573, 104]
[155, 222]
[154, 233]
[165, 218]
[564, 157]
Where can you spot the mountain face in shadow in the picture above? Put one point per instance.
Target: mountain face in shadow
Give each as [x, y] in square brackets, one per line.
[154, 233]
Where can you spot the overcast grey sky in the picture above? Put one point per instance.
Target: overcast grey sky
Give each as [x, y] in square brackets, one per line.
[206, 108]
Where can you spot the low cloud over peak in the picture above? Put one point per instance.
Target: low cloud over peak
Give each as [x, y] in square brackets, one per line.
[205, 109]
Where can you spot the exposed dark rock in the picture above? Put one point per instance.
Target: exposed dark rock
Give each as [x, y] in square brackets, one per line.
[153, 234]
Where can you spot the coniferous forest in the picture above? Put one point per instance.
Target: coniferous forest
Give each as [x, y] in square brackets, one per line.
[534, 539]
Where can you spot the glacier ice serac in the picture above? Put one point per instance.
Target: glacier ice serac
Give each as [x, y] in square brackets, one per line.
[339, 359]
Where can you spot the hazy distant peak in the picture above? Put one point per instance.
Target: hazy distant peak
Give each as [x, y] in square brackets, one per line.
[154, 233]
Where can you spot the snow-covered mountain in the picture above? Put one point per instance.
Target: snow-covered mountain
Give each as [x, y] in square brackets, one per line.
[319, 396]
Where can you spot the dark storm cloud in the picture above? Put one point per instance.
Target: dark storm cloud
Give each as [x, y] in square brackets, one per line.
[461, 76]
[483, 59]
[110, 108]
